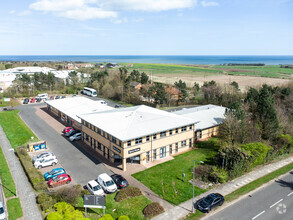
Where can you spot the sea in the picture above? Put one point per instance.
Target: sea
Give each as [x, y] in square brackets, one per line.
[268, 60]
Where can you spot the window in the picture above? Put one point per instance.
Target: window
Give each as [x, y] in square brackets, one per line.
[183, 143]
[128, 143]
[163, 134]
[190, 127]
[138, 140]
[170, 149]
[147, 138]
[118, 150]
[133, 151]
[176, 147]
[86, 124]
[147, 156]
[99, 146]
[155, 136]
[176, 131]
[86, 137]
[162, 152]
[190, 143]
[114, 140]
[99, 131]
[200, 134]
[154, 154]
[170, 132]
[183, 128]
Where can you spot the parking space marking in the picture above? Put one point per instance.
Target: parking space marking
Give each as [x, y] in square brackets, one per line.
[290, 194]
[258, 214]
[276, 203]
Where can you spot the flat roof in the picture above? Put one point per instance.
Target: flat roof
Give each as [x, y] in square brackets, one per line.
[135, 122]
[77, 105]
[206, 116]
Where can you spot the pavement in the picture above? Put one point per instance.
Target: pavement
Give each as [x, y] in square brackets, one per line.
[2, 198]
[24, 190]
[180, 211]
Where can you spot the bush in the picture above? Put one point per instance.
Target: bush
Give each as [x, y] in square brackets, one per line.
[127, 193]
[220, 175]
[153, 210]
[45, 201]
[65, 211]
[107, 217]
[123, 217]
[202, 172]
[68, 194]
[34, 175]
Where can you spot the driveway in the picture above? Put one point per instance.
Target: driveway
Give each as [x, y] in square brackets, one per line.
[77, 162]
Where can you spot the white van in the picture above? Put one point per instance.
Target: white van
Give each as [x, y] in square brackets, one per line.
[107, 183]
[42, 96]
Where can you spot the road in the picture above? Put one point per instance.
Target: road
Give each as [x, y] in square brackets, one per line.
[271, 202]
[77, 162]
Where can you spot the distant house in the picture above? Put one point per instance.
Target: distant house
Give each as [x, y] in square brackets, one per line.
[111, 65]
[173, 93]
[84, 65]
[100, 65]
[136, 85]
[130, 65]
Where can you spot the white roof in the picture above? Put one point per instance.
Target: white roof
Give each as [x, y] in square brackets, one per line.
[28, 70]
[205, 116]
[63, 74]
[77, 105]
[134, 122]
[105, 177]
[93, 183]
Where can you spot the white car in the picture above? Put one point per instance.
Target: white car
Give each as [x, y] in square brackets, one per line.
[2, 212]
[94, 188]
[44, 156]
[45, 162]
[42, 96]
[75, 137]
[107, 183]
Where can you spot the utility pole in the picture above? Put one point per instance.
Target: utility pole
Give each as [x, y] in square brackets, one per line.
[193, 181]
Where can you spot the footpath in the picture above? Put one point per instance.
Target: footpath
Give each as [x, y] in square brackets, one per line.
[23, 187]
[183, 209]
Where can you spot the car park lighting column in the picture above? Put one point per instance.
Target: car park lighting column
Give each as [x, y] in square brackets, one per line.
[193, 181]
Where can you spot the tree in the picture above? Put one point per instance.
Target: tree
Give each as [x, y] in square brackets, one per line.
[158, 93]
[123, 73]
[51, 80]
[144, 78]
[235, 84]
[12, 103]
[182, 88]
[65, 211]
[195, 88]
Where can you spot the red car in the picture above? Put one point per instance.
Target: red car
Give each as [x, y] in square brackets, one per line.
[33, 100]
[59, 180]
[67, 129]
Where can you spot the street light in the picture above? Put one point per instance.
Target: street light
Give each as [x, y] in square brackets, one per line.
[193, 181]
[14, 171]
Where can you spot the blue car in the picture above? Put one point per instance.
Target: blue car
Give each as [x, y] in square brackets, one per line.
[53, 173]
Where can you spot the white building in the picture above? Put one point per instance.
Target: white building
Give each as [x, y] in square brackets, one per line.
[6, 80]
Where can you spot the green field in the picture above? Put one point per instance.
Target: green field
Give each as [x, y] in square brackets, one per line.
[15, 129]
[14, 209]
[273, 71]
[7, 180]
[166, 179]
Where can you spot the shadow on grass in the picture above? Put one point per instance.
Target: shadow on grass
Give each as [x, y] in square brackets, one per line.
[8, 189]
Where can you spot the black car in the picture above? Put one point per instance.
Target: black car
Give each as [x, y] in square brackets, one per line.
[118, 106]
[57, 97]
[26, 101]
[38, 99]
[209, 202]
[63, 97]
[120, 181]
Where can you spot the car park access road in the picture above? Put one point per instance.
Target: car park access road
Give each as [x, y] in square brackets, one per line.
[273, 201]
[77, 162]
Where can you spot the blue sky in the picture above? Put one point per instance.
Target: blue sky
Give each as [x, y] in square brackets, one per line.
[146, 27]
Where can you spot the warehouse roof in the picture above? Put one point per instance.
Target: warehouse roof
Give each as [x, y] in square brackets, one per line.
[134, 122]
[77, 105]
[206, 116]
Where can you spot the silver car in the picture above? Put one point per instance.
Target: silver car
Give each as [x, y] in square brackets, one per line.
[44, 156]
[3, 215]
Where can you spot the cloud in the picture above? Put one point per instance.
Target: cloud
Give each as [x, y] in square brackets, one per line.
[209, 4]
[24, 13]
[91, 9]
[12, 12]
[119, 21]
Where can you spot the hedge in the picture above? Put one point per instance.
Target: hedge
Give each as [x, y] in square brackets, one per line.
[127, 193]
[153, 210]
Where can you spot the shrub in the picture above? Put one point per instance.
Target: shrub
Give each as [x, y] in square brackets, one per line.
[127, 193]
[68, 194]
[45, 201]
[202, 172]
[153, 210]
[34, 175]
[65, 211]
[221, 175]
[123, 217]
[107, 217]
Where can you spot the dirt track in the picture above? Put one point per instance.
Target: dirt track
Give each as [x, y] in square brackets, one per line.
[243, 81]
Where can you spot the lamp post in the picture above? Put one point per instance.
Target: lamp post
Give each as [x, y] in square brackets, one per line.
[14, 171]
[193, 171]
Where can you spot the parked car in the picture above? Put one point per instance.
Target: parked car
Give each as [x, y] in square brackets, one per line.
[45, 162]
[72, 132]
[209, 202]
[26, 101]
[53, 173]
[73, 95]
[94, 188]
[75, 137]
[45, 155]
[107, 183]
[33, 100]
[120, 181]
[67, 129]
[51, 97]
[3, 215]
[118, 106]
[57, 97]
[42, 96]
[59, 180]
[38, 99]
[63, 97]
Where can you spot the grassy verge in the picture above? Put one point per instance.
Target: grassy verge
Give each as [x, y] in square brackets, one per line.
[7, 180]
[248, 188]
[131, 207]
[2, 103]
[166, 179]
[15, 129]
[14, 209]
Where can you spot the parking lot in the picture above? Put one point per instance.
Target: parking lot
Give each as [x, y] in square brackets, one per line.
[81, 165]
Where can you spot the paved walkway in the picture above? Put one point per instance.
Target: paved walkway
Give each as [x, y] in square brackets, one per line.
[24, 190]
[184, 208]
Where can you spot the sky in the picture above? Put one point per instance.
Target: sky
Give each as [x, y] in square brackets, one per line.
[146, 27]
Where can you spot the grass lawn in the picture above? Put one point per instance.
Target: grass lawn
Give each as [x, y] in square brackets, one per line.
[15, 129]
[2, 103]
[131, 207]
[7, 181]
[14, 209]
[166, 179]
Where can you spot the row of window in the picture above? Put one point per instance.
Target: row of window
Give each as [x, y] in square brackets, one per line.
[162, 134]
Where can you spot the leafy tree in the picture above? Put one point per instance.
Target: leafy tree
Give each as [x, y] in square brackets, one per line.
[144, 78]
[195, 88]
[158, 93]
[123, 73]
[183, 90]
[235, 84]
[65, 211]
[51, 80]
